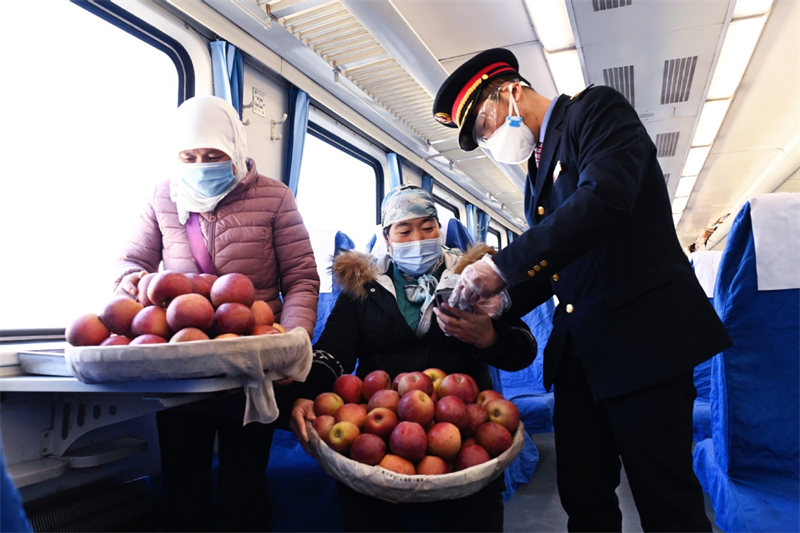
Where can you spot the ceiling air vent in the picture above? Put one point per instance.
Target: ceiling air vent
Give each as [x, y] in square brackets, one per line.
[677, 81]
[603, 5]
[620, 78]
[666, 143]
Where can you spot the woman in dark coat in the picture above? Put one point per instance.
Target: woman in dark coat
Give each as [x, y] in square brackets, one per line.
[384, 319]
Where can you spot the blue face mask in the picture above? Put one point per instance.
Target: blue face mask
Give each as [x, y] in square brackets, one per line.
[416, 257]
[209, 179]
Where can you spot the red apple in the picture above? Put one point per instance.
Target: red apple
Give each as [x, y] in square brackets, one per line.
[432, 465]
[189, 334]
[409, 440]
[227, 336]
[388, 398]
[476, 415]
[201, 283]
[233, 287]
[342, 436]
[505, 412]
[493, 437]
[349, 387]
[485, 395]
[375, 381]
[415, 381]
[436, 375]
[87, 330]
[116, 340]
[396, 380]
[118, 314]
[148, 338]
[327, 403]
[451, 409]
[264, 329]
[458, 384]
[263, 312]
[322, 425]
[444, 440]
[167, 285]
[416, 406]
[353, 412]
[471, 455]
[141, 289]
[380, 421]
[151, 319]
[233, 317]
[368, 449]
[398, 464]
[190, 310]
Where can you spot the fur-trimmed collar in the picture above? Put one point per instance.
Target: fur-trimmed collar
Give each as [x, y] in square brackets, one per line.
[353, 270]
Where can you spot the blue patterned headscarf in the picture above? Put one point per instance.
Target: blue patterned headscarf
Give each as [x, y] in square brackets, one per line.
[404, 203]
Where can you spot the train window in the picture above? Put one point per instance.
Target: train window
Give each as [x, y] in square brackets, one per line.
[493, 238]
[84, 114]
[445, 211]
[337, 190]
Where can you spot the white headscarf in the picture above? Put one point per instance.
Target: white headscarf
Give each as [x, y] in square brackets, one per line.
[207, 122]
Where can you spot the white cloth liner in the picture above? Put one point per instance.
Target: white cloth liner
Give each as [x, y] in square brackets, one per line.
[393, 487]
[260, 360]
[776, 234]
[706, 265]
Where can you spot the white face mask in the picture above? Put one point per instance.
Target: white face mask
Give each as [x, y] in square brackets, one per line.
[416, 257]
[513, 142]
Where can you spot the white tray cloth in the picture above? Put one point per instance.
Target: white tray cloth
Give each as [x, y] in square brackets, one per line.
[399, 488]
[258, 359]
[776, 234]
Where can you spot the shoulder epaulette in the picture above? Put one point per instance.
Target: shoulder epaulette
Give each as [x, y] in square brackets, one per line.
[577, 96]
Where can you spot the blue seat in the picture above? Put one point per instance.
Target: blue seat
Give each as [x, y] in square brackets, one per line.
[706, 265]
[12, 514]
[327, 299]
[457, 236]
[751, 464]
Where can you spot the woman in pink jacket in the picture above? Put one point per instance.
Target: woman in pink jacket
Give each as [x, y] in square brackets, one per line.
[249, 224]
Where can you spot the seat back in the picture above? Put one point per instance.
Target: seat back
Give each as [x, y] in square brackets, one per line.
[754, 384]
[457, 236]
[341, 243]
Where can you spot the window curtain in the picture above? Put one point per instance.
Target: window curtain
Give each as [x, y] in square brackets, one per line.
[227, 67]
[472, 221]
[483, 226]
[427, 183]
[298, 125]
[395, 172]
[510, 236]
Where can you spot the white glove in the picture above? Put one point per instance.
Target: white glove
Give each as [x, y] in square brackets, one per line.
[481, 279]
[496, 305]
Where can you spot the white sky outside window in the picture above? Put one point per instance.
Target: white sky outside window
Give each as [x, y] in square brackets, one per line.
[336, 192]
[85, 109]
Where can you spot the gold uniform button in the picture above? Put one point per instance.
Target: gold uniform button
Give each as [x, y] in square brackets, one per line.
[540, 210]
[537, 268]
[531, 273]
[570, 308]
[543, 262]
[556, 277]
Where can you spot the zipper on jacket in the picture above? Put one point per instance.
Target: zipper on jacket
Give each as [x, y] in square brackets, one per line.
[212, 223]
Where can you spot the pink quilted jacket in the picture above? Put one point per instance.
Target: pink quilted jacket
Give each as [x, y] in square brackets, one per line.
[255, 230]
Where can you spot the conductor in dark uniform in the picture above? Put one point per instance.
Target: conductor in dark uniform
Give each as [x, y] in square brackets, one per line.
[632, 320]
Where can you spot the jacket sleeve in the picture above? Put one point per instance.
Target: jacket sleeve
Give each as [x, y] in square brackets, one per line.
[613, 151]
[297, 269]
[515, 348]
[144, 249]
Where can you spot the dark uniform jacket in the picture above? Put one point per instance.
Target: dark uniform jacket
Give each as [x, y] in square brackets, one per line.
[602, 240]
[366, 326]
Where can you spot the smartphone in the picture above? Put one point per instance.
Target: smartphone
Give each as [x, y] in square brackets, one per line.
[442, 296]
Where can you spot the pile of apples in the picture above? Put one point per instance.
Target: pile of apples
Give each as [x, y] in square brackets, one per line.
[177, 307]
[423, 422]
